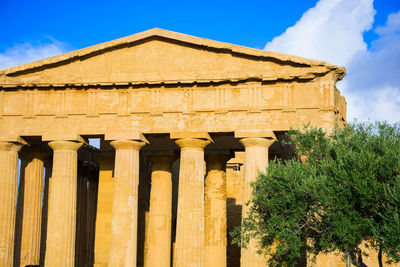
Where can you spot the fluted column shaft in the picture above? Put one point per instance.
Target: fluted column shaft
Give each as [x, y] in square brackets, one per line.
[48, 165]
[81, 206]
[215, 211]
[189, 248]
[159, 233]
[256, 160]
[90, 217]
[8, 199]
[61, 228]
[123, 249]
[32, 211]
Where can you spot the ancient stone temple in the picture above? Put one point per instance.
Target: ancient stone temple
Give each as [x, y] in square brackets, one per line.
[184, 124]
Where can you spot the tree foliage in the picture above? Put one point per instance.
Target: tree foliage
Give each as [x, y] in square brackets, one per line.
[340, 191]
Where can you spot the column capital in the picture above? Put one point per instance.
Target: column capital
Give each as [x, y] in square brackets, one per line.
[64, 136]
[216, 152]
[10, 146]
[65, 145]
[191, 135]
[31, 152]
[255, 133]
[192, 143]
[16, 139]
[161, 159]
[133, 135]
[256, 141]
[127, 144]
[217, 158]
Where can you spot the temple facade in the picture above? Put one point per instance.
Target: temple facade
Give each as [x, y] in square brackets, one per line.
[184, 125]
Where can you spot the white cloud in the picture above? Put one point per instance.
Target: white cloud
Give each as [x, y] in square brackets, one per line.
[332, 31]
[374, 76]
[28, 52]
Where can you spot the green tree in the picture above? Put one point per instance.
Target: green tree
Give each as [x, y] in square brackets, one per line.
[339, 192]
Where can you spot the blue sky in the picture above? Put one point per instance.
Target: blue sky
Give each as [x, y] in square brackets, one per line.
[85, 23]
[359, 34]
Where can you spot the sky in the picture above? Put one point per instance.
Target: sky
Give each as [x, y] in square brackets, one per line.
[361, 35]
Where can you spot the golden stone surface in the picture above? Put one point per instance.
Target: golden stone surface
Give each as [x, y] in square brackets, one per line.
[61, 229]
[8, 194]
[113, 206]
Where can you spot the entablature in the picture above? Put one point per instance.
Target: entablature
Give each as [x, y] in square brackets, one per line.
[164, 82]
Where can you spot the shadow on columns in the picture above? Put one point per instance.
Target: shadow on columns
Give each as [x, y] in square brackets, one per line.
[143, 207]
[234, 217]
[43, 235]
[86, 207]
[19, 214]
[175, 189]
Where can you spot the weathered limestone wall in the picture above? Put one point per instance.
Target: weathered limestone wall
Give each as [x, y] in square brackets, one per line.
[277, 106]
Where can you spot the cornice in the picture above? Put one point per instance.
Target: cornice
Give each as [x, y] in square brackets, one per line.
[188, 79]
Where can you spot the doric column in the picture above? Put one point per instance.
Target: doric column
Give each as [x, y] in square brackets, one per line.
[32, 206]
[215, 209]
[8, 199]
[159, 226]
[124, 221]
[256, 160]
[61, 228]
[189, 248]
[48, 165]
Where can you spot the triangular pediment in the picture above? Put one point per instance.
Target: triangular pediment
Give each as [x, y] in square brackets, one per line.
[160, 56]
